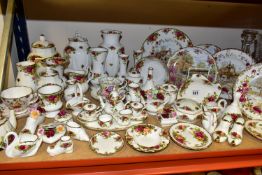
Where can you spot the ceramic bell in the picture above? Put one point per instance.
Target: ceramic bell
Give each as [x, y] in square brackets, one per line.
[233, 109]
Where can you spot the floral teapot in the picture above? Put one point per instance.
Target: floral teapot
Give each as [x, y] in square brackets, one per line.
[22, 145]
[114, 102]
[6, 125]
[79, 76]
[199, 88]
[170, 90]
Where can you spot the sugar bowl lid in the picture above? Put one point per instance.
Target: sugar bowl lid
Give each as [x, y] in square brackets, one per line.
[188, 106]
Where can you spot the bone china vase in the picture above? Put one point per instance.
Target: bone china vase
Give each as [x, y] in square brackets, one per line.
[111, 41]
[77, 52]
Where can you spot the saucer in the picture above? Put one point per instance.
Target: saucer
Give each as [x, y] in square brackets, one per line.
[106, 143]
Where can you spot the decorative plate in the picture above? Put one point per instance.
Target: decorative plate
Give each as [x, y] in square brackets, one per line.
[147, 138]
[93, 125]
[211, 48]
[164, 43]
[190, 136]
[196, 59]
[160, 72]
[249, 84]
[254, 127]
[106, 143]
[230, 63]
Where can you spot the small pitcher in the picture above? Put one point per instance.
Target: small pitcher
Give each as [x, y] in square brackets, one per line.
[216, 107]
[26, 75]
[73, 90]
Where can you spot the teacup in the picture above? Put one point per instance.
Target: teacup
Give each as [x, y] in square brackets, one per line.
[137, 109]
[124, 116]
[76, 104]
[105, 120]
[51, 96]
[17, 98]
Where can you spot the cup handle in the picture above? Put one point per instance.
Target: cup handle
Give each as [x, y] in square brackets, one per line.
[222, 103]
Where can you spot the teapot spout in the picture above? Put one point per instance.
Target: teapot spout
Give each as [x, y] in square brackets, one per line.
[12, 118]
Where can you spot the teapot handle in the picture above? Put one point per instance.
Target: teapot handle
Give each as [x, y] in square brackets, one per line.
[123, 85]
[7, 135]
[78, 85]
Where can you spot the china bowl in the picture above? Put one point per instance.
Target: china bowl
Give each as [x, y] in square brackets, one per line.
[17, 98]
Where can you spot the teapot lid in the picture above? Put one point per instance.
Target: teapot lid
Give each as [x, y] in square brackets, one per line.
[42, 43]
[134, 74]
[136, 105]
[77, 38]
[169, 87]
[90, 107]
[49, 72]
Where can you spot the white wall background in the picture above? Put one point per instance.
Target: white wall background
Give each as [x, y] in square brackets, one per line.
[133, 34]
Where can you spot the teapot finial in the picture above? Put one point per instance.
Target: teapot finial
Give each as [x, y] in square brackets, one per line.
[42, 38]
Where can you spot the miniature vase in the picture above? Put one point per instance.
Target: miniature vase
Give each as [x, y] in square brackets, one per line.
[111, 41]
[123, 66]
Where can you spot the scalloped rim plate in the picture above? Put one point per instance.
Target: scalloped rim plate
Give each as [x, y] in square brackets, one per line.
[165, 42]
[190, 136]
[106, 143]
[254, 127]
[250, 101]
